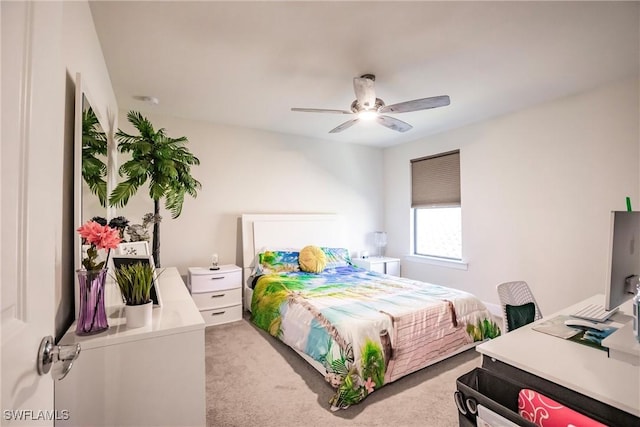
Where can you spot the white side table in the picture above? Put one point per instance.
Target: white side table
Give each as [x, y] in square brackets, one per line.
[217, 293]
[383, 265]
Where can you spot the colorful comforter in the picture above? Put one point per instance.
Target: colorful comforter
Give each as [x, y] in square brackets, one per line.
[366, 328]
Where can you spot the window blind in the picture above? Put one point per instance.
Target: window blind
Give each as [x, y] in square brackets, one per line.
[435, 180]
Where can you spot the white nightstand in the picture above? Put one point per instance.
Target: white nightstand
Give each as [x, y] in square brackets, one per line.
[217, 293]
[384, 265]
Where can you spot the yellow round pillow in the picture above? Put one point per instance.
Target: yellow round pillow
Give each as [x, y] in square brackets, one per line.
[312, 259]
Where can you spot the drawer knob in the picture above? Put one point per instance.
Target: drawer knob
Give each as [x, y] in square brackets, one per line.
[217, 277]
[217, 313]
[217, 296]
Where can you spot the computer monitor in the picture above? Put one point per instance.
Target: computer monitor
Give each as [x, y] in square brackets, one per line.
[624, 257]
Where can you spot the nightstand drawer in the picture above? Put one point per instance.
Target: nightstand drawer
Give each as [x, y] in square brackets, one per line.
[223, 298]
[218, 316]
[216, 281]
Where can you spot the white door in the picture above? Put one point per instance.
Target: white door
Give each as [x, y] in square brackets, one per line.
[30, 192]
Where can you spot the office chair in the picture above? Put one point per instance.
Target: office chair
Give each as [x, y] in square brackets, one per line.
[520, 311]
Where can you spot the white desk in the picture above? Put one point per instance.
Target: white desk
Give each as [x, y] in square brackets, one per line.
[586, 370]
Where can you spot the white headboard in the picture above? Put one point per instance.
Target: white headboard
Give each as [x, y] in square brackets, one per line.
[287, 231]
[294, 231]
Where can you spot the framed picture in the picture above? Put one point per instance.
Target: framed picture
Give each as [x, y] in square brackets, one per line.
[122, 260]
[133, 248]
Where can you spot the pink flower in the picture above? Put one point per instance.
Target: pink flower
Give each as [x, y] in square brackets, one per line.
[369, 385]
[99, 237]
[109, 238]
[90, 232]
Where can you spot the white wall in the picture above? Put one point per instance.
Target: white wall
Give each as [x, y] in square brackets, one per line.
[537, 190]
[83, 54]
[250, 171]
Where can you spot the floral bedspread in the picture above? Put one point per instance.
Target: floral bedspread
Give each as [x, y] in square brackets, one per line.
[367, 328]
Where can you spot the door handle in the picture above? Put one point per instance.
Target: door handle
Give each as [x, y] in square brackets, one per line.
[49, 354]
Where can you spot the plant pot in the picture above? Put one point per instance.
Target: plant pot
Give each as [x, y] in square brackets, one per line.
[138, 315]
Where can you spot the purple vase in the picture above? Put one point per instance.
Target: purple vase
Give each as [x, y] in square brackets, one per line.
[92, 316]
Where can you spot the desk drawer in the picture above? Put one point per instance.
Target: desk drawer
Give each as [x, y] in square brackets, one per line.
[218, 316]
[216, 281]
[217, 299]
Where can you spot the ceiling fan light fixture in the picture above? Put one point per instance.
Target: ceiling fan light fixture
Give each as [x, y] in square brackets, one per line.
[367, 107]
[367, 114]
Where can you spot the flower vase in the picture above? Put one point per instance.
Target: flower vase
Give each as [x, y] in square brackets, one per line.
[92, 316]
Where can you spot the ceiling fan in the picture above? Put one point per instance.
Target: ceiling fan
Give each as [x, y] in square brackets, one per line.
[367, 107]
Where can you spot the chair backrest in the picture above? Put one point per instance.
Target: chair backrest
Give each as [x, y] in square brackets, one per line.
[515, 293]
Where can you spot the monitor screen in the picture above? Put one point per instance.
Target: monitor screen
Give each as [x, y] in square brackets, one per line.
[624, 257]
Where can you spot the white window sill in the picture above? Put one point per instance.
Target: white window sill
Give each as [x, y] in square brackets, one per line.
[440, 262]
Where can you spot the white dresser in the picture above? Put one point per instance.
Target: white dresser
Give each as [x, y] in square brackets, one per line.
[149, 376]
[383, 265]
[217, 293]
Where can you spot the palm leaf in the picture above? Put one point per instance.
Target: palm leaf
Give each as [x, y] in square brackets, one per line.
[94, 144]
[122, 193]
[135, 168]
[339, 367]
[174, 202]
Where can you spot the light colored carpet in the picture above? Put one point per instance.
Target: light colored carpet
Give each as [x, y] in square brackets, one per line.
[255, 380]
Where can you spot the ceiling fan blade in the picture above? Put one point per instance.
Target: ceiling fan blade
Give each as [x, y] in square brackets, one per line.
[321, 110]
[365, 91]
[343, 126]
[417, 104]
[394, 124]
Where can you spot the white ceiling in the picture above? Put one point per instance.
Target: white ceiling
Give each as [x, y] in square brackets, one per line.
[247, 63]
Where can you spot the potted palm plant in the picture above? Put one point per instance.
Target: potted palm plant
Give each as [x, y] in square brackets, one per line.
[162, 161]
[135, 282]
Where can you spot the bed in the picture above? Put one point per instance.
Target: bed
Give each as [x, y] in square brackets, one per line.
[360, 329]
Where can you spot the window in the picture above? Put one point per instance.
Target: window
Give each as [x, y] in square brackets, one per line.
[438, 232]
[435, 201]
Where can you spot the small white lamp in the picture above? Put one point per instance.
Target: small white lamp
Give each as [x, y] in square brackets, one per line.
[214, 262]
[380, 241]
